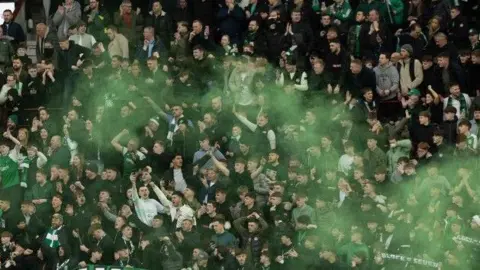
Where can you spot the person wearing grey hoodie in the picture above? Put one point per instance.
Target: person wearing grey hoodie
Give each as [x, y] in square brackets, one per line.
[387, 78]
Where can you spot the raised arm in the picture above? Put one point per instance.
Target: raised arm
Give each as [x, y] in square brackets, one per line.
[246, 122]
[219, 164]
[156, 108]
[41, 160]
[436, 97]
[14, 153]
[115, 140]
[163, 199]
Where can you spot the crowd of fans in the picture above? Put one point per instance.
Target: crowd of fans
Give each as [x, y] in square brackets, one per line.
[241, 135]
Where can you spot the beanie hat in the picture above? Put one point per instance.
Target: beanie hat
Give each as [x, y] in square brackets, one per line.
[408, 48]
[92, 167]
[14, 119]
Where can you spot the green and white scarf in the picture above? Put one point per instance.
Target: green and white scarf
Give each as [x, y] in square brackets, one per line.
[52, 238]
[463, 104]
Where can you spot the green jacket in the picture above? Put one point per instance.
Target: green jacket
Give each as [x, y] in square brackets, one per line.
[341, 12]
[348, 251]
[397, 10]
[401, 150]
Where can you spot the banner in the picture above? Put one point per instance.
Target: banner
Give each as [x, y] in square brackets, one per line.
[396, 257]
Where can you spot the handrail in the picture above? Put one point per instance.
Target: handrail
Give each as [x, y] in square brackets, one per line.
[18, 7]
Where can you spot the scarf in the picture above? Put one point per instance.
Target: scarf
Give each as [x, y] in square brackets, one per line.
[52, 238]
[463, 104]
[409, 260]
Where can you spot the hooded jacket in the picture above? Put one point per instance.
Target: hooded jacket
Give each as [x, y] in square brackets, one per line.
[387, 78]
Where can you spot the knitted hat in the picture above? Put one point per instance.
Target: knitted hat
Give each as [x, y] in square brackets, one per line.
[14, 119]
[155, 120]
[414, 92]
[408, 48]
[92, 167]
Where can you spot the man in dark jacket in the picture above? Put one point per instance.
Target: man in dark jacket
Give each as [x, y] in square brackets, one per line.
[358, 78]
[12, 29]
[97, 20]
[255, 38]
[458, 28]
[68, 61]
[161, 22]
[150, 46]
[230, 21]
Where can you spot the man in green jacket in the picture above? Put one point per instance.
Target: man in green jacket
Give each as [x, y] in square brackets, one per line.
[340, 10]
[349, 250]
[10, 178]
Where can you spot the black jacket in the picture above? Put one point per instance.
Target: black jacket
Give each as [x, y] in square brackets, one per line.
[15, 31]
[355, 83]
[163, 26]
[65, 59]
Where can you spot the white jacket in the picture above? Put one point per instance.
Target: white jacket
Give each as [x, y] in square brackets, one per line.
[185, 212]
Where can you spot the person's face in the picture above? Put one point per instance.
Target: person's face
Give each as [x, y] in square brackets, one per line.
[144, 192]
[72, 115]
[177, 111]
[104, 196]
[178, 161]
[197, 27]
[158, 148]
[473, 38]
[76, 161]
[182, 3]
[211, 175]
[383, 60]
[176, 200]
[442, 62]
[423, 120]
[454, 13]
[455, 90]
[110, 34]
[262, 121]
[56, 222]
[187, 225]
[220, 197]
[462, 129]
[355, 68]
[148, 34]
[111, 174]
[272, 158]
[296, 17]
[205, 144]
[218, 227]
[464, 58]
[334, 46]
[7, 16]
[326, 20]
[132, 146]
[157, 8]
[64, 45]
[371, 143]
[440, 41]
[124, 111]
[373, 16]
[252, 26]
[248, 201]
[197, 54]
[17, 64]
[127, 232]
[116, 63]
[360, 17]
